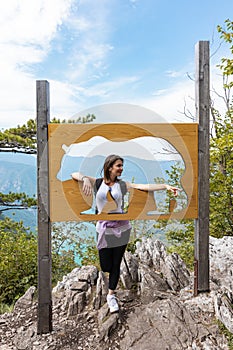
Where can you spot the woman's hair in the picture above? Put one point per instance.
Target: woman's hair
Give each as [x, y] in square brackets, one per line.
[108, 163]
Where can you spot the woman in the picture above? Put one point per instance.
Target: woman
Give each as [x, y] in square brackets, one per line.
[113, 236]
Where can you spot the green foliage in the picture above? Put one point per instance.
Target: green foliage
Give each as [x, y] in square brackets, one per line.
[80, 120]
[21, 136]
[221, 146]
[87, 252]
[65, 240]
[6, 308]
[62, 264]
[221, 167]
[227, 334]
[179, 233]
[25, 136]
[221, 180]
[18, 260]
[175, 173]
[227, 35]
[181, 240]
[68, 240]
[18, 263]
[131, 247]
[18, 246]
[16, 200]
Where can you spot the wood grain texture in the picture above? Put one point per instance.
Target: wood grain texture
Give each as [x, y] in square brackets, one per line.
[202, 100]
[44, 322]
[66, 198]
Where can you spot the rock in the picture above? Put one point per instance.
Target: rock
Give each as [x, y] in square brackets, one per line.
[224, 309]
[129, 270]
[26, 300]
[167, 324]
[80, 286]
[170, 268]
[72, 294]
[150, 283]
[84, 274]
[175, 272]
[221, 261]
[88, 274]
[101, 291]
[157, 307]
[107, 326]
[23, 339]
[76, 303]
[151, 252]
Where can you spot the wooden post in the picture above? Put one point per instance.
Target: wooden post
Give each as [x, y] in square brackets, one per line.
[44, 324]
[202, 101]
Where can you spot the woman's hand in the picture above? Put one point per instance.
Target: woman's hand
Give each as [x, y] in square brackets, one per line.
[88, 182]
[174, 190]
[87, 186]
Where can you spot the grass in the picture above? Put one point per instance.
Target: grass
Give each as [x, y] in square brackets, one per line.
[227, 334]
[6, 308]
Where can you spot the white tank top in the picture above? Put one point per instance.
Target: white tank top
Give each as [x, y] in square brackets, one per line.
[101, 197]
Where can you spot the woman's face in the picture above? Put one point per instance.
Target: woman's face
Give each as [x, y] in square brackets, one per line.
[116, 169]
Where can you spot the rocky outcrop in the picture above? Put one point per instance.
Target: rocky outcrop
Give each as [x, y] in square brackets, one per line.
[221, 272]
[157, 307]
[160, 325]
[221, 262]
[26, 300]
[158, 270]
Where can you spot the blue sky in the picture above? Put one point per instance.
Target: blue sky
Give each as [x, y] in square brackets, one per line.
[98, 52]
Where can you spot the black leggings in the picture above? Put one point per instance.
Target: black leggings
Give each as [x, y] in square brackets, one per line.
[110, 261]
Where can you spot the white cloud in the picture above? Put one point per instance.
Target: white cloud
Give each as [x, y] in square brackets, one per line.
[31, 23]
[91, 46]
[166, 105]
[170, 103]
[27, 28]
[109, 88]
[173, 74]
[122, 113]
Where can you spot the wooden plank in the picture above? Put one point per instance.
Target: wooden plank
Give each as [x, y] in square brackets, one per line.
[44, 322]
[202, 115]
[67, 200]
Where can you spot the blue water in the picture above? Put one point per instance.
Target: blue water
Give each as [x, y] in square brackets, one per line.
[18, 174]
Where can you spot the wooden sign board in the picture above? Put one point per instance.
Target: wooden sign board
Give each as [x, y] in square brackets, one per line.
[67, 201]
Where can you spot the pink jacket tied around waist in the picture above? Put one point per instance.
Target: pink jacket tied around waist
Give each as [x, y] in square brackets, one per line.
[116, 230]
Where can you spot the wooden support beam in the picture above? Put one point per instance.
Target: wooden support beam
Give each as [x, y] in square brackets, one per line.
[202, 101]
[44, 324]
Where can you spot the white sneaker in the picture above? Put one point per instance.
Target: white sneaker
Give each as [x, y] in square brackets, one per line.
[112, 303]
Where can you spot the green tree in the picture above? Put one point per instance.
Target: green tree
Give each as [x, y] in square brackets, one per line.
[23, 138]
[18, 246]
[18, 260]
[221, 179]
[179, 233]
[74, 238]
[89, 118]
[16, 201]
[221, 146]
[181, 238]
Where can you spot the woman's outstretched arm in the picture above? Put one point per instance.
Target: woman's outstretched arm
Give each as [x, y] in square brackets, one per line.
[153, 187]
[88, 182]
